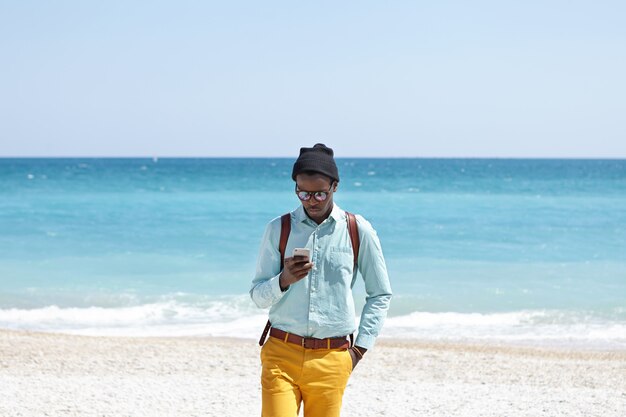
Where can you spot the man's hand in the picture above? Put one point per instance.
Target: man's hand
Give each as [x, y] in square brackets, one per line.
[296, 268]
[356, 353]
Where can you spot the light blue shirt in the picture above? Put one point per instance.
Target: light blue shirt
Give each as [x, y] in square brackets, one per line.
[321, 304]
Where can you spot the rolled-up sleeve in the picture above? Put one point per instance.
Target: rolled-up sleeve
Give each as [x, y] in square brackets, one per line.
[265, 290]
[377, 286]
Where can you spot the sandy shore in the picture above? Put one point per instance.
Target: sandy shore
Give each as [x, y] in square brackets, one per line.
[60, 375]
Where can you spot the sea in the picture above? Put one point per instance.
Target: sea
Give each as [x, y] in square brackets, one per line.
[505, 251]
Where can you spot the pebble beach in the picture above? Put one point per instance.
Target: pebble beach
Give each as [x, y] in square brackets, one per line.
[46, 374]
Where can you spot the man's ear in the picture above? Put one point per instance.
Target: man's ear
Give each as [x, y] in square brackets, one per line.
[335, 186]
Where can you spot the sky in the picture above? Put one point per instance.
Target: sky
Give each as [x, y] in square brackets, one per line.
[263, 78]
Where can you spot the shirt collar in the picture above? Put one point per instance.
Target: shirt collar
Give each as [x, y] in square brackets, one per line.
[336, 214]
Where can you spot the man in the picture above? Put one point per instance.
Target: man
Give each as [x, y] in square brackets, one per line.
[308, 358]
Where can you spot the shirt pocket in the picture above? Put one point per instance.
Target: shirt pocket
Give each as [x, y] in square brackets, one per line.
[342, 259]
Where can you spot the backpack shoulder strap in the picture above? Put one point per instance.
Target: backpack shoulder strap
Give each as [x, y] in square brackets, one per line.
[285, 229]
[353, 230]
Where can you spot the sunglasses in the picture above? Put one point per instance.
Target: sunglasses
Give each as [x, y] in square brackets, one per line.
[318, 195]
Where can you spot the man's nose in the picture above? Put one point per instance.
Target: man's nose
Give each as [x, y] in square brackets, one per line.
[313, 201]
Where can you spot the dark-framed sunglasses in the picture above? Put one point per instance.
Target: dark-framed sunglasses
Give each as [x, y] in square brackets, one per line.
[318, 195]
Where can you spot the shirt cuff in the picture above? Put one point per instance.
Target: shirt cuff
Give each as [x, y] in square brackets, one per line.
[365, 340]
[277, 293]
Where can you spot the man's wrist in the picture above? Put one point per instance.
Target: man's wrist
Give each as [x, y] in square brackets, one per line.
[281, 284]
[360, 351]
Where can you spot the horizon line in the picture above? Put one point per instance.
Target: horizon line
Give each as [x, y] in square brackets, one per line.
[293, 157]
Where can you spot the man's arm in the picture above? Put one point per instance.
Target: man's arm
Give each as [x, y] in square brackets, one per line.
[269, 283]
[374, 272]
[265, 290]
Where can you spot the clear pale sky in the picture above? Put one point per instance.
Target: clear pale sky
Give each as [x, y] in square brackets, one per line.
[262, 78]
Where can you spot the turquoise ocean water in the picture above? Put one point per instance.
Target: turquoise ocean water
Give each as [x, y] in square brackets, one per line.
[516, 251]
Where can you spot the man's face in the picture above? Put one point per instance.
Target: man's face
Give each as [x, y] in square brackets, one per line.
[317, 210]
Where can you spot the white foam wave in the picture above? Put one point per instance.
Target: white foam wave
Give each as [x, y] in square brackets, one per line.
[531, 327]
[238, 317]
[169, 318]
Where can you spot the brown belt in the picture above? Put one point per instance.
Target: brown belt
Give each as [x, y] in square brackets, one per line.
[311, 342]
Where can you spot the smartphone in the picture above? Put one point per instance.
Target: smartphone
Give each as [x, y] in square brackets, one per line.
[302, 252]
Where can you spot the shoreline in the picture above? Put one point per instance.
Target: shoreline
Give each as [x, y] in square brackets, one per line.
[74, 375]
[236, 316]
[493, 345]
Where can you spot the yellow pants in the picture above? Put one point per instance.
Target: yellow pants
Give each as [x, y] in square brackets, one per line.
[293, 375]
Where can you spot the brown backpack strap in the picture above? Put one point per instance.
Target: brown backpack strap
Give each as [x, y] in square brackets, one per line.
[285, 229]
[264, 334]
[353, 230]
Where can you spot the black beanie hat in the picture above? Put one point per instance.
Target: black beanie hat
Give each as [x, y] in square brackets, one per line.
[319, 159]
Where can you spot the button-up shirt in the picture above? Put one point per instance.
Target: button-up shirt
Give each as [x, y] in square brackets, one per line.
[321, 304]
